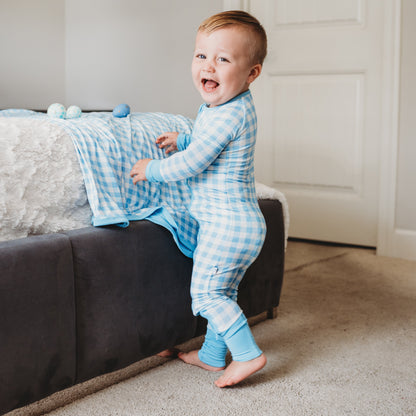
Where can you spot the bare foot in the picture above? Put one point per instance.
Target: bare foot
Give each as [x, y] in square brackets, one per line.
[239, 370]
[169, 353]
[192, 358]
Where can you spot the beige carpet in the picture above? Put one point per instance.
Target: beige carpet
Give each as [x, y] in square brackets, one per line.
[344, 343]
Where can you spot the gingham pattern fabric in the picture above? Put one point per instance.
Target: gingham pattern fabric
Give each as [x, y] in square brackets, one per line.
[107, 149]
[18, 112]
[219, 162]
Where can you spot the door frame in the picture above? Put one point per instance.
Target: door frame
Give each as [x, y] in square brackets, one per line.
[390, 241]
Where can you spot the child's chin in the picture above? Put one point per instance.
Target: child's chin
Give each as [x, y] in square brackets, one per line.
[208, 98]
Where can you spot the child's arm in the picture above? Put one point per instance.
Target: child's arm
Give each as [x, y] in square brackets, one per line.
[198, 155]
[172, 141]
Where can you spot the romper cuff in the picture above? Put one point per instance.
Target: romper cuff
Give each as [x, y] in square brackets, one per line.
[182, 141]
[153, 171]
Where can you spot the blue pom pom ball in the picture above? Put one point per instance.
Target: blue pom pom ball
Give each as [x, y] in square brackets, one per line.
[56, 110]
[122, 110]
[73, 112]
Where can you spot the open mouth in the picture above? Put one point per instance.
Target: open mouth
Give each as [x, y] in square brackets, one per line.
[209, 85]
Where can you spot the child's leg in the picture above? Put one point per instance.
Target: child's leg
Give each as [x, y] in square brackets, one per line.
[214, 295]
[240, 341]
[218, 305]
[213, 350]
[221, 259]
[247, 356]
[212, 354]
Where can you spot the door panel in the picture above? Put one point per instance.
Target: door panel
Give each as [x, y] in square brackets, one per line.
[318, 104]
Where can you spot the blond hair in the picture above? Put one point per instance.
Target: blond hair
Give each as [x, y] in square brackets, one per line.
[245, 21]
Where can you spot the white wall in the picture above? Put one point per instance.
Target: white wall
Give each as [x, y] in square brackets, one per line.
[100, 53]
[32, 64]
[137, 52]
[406, 172]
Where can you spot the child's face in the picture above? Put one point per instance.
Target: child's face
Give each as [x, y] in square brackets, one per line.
[221, 67]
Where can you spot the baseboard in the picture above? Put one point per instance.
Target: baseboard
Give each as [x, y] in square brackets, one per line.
[405, 244]
[402, 244]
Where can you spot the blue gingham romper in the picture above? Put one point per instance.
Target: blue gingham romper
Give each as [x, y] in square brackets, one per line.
[218, 160]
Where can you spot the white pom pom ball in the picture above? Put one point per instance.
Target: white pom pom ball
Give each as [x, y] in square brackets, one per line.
[73, 112]
[56, 110]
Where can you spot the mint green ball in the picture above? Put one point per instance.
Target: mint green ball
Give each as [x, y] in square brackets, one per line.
[56, 110]
[73, 112]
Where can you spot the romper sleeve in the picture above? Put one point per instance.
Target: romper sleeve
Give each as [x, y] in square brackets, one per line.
[204, 148]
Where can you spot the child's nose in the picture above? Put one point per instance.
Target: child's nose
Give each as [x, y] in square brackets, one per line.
[209, 66]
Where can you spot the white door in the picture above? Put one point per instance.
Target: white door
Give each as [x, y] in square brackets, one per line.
[319, 108]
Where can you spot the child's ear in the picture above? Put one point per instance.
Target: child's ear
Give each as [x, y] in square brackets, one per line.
[255, 71]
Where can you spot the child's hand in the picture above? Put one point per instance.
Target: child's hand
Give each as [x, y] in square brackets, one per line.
[138, 173]
[167, 141]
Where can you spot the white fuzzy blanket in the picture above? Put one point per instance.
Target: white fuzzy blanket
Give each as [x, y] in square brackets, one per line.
[41, 185]
[265, 192]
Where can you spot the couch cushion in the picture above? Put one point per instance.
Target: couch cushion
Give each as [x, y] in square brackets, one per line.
[132, 295]
[37, 319]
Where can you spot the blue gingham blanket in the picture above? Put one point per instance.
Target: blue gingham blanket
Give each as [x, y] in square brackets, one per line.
[107, 148]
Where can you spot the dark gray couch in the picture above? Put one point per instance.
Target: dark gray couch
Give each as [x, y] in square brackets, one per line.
[83, 303]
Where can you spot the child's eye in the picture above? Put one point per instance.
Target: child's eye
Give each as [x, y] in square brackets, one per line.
[201, 56]
[221, 59]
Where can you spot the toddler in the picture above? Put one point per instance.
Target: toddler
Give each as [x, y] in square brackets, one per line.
[217, 160]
